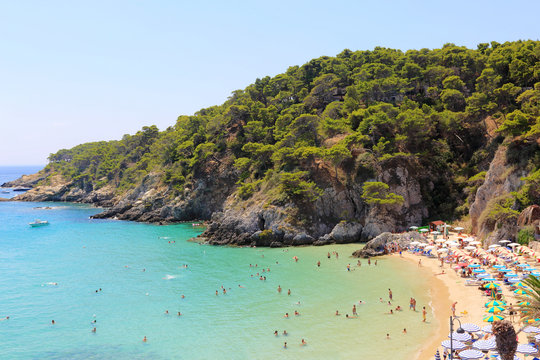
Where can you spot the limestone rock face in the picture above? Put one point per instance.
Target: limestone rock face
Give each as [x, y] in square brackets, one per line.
[346, 233]
[376, 246]
[501, 179]
[529, 216]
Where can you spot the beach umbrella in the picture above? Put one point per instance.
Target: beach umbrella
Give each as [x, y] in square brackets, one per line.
[520, 292]
[537, 338]
[521, 284]
[469, 327]
[482, 275]
[470, 354]
[456, 345]
[422, 244]
[514, 280]
[495, 309]
[498, 266]
[489, 279]
[504, 270]
[511, 275]
[513, 244]
[474, 266]
[440, 241]
[430, 247]
[442, 250]
[526, 349]
[485, 345]
[414, 243]
[524, 303]
[435, 233]
[437, 355]
[504, 241]
[423, 230]
[413, 227]
[474, 243]
[532, 329]
[492, 318]
[495, 303]
[479, 271]
[531, 321]
[460, 337]
[487, 329]
[459, 228]
[494, 246]
[523, 265]
[492, 285]
[470, 248]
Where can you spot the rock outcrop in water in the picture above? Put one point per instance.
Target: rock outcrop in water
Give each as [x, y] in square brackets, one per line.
[376, 246]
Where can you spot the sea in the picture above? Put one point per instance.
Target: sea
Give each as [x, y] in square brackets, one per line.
[130, 280]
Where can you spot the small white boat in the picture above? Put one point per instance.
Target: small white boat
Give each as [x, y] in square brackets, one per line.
[38, 223]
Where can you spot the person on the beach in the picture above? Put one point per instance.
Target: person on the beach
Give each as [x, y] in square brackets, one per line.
[453, 308]
[369, 261]
[414, 304]
[359, 263]
[348, 267]
[328, 256]
[390, 294]
[387, 336]
[419, 262]
[424, 314]
[375, 262]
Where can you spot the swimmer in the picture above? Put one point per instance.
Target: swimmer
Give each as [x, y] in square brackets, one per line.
[240, 286]
[275, 333]
[179, 313]
[285, 345]
[166, 312]
[52, 322]
[318, 263]
[289, 292]
[404, 330]
[285, 333]
[354, 310]
[304, 342]
[391, 312]
[337, 313]
[296, 313]
[286, 315]
[182, 296]
[6, 318]
[217, 293]
[224, 291]
[381, 300]
[387, 336]
[94, 330]
[144, 339]
[279, 289]
[398, 308]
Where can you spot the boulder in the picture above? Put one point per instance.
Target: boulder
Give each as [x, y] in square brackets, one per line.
[346, 232]
[376, 246]
[529, 216]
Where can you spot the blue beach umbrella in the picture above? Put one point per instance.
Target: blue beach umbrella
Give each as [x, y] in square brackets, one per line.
[498, 266]
[479, 271]
[487, 329]
[474, 266]
[505, 270]
[489, 279]
[510, 275]
[483, 275]
[523, 265]
[531, 329]
[469, 327]
[514, 280]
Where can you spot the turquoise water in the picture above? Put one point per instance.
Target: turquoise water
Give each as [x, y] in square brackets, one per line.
[82, 255]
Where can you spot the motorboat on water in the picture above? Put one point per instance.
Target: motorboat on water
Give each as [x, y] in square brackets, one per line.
[37, 223]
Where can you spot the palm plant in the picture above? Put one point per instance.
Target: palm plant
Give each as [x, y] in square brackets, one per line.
[532, 310]
[505, 338]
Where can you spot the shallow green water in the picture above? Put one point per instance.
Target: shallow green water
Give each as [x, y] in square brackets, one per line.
[83, 255]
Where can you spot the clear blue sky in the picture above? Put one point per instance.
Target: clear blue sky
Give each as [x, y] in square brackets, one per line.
[77, 71]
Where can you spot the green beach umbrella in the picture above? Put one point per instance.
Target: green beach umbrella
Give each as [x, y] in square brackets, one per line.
[521, 284]
[495, 309]
[492, 318]
[492, 285]
[495, 303]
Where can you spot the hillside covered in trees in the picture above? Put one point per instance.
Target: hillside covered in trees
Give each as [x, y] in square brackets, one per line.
[338, 149]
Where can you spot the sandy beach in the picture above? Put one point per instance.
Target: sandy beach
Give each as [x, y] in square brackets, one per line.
[448, 288]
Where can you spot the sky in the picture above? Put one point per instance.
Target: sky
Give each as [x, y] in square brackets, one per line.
[79, 71]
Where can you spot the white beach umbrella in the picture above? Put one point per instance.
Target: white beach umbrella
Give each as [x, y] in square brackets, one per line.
[494, 246]
[422, 244]
[526, 349]
[470, 327]
[537, 337]
[423, 230]
[414, 243]
[435, 233]
[430, 247]
[456, 345]
[443, 250]
[470, 248]
[451, 243]
[413, 227]
[467, 239]
[440, 240]
[471, 354]
[504, 241]
[513, 244]
[459, 228]
[460, 337]
[475, 243]
[487, 329]
[532, 329]
[485, 345]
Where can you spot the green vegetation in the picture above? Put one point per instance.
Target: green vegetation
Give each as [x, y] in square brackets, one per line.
[359, 112]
